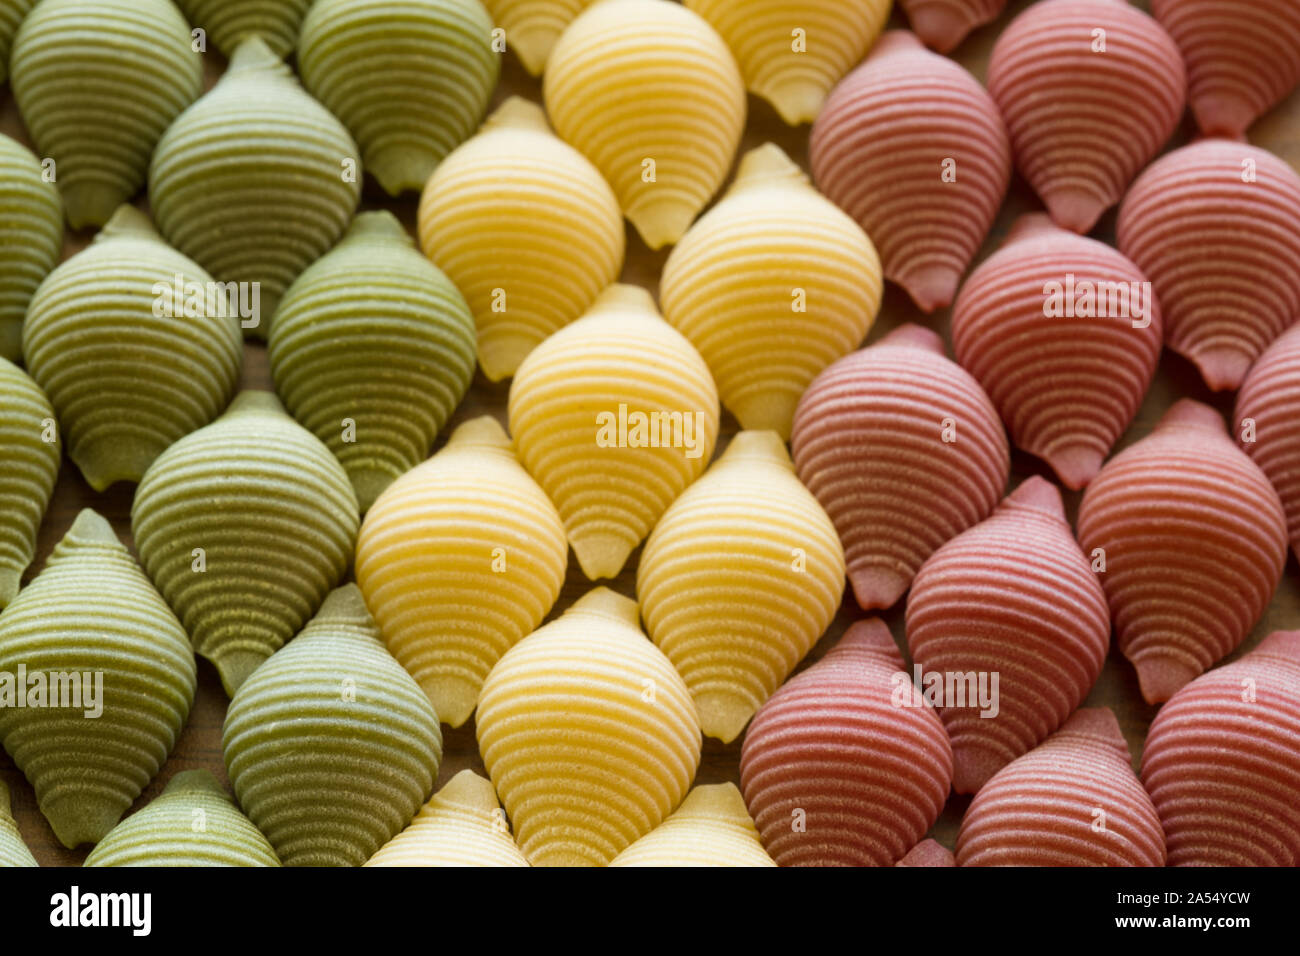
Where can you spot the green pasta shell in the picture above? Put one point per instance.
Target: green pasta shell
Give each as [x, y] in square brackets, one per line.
[244, 526]
[228, 22]
[331, 746]
[256, 180]
[193, 822]
[97, 82]
[372, 349]
[29, 465]
[13, 851]
[11, 16]
[91, 612]
[127, 367]
[31, 239]
[410, 78]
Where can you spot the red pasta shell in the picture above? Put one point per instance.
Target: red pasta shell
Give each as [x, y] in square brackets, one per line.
[943, 24]
[1268, 408]
[928, 853]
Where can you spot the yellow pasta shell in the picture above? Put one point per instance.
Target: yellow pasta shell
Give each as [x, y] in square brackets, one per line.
[739, 579]
[31, 240]
[533, 26]
[792, 52]
[13, 851]
[712, 827]
[772, 285]
[650, 94]
[526, 228]
[614, 415]
[29, 465]
[459, 559]
[461, 825]
[588, 733]
[230, 21]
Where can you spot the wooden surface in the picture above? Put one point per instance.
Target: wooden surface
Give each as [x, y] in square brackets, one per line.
[200, 744]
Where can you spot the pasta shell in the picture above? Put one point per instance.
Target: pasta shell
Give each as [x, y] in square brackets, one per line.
[29, 466]
[1222, 761]
[588, 733]
[623, 105]
[771, 285]
[97, 82]
[1011, 599]
[135, 347]
[13, 851]
[461, 825]
[459, 559]
[710, 828]
[837, 768]
[533, 26]
[332, 747]
[193, 822]
[256, 180]
[1109, 71]
[11, 16]
[1192, 538]
[1223, 253]
[943, 24]
[411, 79]
[526, 228]
[792, 52]
[1072, 801]
[230, 22]
[912, 147]
[91, 619]
[904, 451]
[614, 415]
[31, 242]
[245, 526]
[372, 349]
[1242, 56]
[1268, 406]
[1064, 333]
[928, 853]
[739, 579]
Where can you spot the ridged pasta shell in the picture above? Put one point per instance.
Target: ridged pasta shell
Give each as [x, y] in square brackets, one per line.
[130, 363]
[1012, 598]
[256, 180]
[791, 52]
[928, 853]
[1222, 253]
[29, 466]
[1071, 801]
[526, 228]
[372, 349]
[574, 407]
[97, 83]
[193, 822]
[31, 242]
[411, 79]
[533, 26]
[92, 617]
[1269, 406]
[943, 24]
[1222, 761]
[1090, 90]
[332, 747]
[739, 579]
[589, 735]
[710, 828]
[649, 93]
[229, 22]
[838, 767]
[771, 285]
[912, 147]
[461, 825]
[1242, 56]
[1048, 325]
[1193, 540]
[245, 525]
[13, 851]
[459, 559]
[11, 16]
[904, 451]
